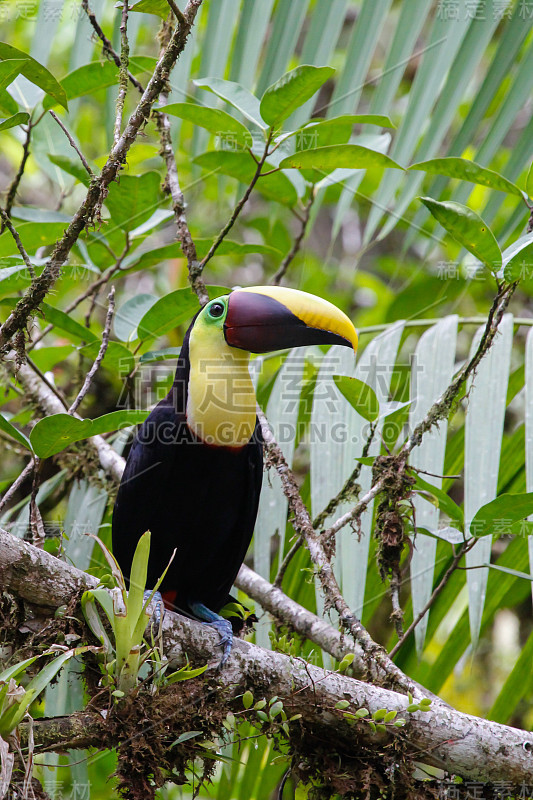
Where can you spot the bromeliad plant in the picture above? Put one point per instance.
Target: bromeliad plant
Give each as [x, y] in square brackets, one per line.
[127, 611]
[15, 700]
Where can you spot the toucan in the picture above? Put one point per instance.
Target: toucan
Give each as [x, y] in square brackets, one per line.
[194, 472]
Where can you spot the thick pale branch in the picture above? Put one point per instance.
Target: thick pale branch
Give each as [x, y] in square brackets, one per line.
[461, 744]
[371, 660]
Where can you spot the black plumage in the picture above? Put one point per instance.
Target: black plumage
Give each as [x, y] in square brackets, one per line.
[197, 498]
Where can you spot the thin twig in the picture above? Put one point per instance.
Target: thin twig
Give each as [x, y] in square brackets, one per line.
[6, 222]
[177, 13]
[286, 561]
[283, 267]
[303, 526]
[345, 493]
[178, 206]
[26, 472]
[90, 291]
[437, 590]
[356, 511]
[107, 46]
[397, 613]
[445, 405]
[238, 208]
[433, 475]
[123, 71]
[101, 353]
[72, 143]
[36, 520]
[348, 489]
[13, 189]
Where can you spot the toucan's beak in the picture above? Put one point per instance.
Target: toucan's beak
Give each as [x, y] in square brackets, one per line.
[265, 318]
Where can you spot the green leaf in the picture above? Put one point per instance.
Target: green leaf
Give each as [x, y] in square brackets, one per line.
[35, 73]
[47, 358]
[517, 260]
[8, 106]
[529, 181]
[184, 737]
[230, 248]
[440, 499]
[275, 709]
[468, 229]
[10, 429]
[247, 699]
[32, 236]
[242, 167]
[53, 434]
[92, 617]
[172, 310]
[87, 79]
[347, 156]
[137, 584]
[360, 395]
[508, 571]
[342, 704]
[134, 199]
[72, 167]
[291, 91]
[16, 669]
[507, 508]
[130, 313]
[67, 324]
[185, 674]
[158, 7]
[15, 713]
[41, 215]
[94, 76]
[166, 354]
[237, 96]
[517, 684]
[466, 170]
[216, 121]
[9, 69]
[117, 357]
[336, 130]
[448, 534]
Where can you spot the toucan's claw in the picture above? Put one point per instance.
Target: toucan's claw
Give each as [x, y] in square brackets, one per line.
[221, 625]
[156, 606]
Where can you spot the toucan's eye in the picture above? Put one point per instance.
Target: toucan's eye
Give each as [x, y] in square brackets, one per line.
[216, 310]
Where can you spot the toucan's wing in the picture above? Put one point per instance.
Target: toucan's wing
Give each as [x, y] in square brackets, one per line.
[209, 516]
[143, 487]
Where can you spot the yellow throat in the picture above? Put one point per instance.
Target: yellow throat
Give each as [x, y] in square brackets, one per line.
[221, 397]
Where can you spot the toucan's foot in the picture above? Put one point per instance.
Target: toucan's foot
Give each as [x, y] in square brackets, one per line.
[156, 607]
[225, 631]
[223, 626]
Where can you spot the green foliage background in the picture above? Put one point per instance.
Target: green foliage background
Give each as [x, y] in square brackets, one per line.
[454, 79]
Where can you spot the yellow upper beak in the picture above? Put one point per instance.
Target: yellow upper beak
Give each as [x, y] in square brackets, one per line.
[316, 313]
